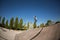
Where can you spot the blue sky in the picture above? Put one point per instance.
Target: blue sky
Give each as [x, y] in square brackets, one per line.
[26, 9]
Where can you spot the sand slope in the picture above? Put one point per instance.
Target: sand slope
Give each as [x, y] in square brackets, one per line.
[47, 33]
[6, 34]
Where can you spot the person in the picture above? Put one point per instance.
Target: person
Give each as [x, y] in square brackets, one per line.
[35, 18]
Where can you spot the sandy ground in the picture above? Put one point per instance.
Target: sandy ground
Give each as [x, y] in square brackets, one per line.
[27, 34]
[48, 33]
[6, 34]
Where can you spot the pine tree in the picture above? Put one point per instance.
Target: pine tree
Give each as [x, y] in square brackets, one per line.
[0, 19]
[11, 22]
[6, 24]
[0, 22]
[16, 23]
[3, 20]
[21, 23]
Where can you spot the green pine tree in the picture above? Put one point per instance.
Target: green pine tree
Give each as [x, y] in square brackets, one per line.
[11, 23]
[6, 24]
[16, 23]
[0, 19]
[21, 24]
[3, 21]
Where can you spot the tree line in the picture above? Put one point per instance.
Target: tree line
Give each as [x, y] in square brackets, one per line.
[18, 25]
[48, 23]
